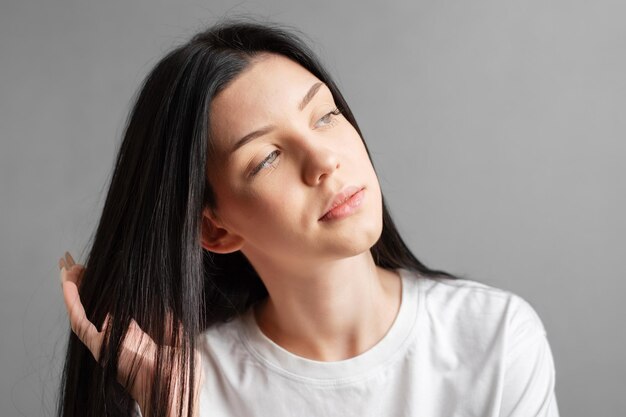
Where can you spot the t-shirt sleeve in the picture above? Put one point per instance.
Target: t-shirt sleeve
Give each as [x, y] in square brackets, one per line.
[529, 373]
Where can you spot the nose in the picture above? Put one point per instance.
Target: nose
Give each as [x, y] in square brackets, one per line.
[320, 161]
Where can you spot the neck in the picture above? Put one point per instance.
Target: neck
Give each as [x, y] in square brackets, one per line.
[332, 312]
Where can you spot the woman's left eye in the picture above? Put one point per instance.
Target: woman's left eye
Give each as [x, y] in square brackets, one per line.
[266, 162]
[328, 118]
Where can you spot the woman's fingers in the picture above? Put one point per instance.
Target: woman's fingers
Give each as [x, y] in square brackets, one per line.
[80, 324]
[71, 276]
[75, 271]
[138, 353]
[66, 261]
[69, 259]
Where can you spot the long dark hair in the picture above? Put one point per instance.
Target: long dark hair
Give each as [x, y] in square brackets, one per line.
[146, 261]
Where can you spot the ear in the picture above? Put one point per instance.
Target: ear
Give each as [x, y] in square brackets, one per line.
[216, 238]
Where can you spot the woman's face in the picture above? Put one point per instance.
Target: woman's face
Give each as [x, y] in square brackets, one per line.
[273, 189]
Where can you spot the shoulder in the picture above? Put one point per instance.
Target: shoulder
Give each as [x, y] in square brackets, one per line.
[498, 336]
[473, 308]
[474, 332]
[228, 331]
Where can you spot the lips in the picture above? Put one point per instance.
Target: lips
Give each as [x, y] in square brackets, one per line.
[341, 197]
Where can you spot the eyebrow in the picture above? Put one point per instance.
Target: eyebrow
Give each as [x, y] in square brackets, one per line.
[266, 129]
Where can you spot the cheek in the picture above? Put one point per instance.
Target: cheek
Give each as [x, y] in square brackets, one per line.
[362, 158]
[356, 146]
[258, 211]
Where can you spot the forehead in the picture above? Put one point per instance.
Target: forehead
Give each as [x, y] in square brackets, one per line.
[271, 86]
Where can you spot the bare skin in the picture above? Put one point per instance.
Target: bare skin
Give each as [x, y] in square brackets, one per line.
[328, 300]
[358, 337]
[137, 348]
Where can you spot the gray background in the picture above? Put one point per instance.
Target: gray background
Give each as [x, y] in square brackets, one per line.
[497, 129]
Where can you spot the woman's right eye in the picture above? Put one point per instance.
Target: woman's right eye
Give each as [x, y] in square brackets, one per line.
[266, 162]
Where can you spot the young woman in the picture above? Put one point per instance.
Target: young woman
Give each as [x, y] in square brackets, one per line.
[245, 263]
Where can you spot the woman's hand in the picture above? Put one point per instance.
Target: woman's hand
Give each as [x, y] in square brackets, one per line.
[138, 351]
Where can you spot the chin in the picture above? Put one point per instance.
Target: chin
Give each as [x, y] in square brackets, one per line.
[359, 242]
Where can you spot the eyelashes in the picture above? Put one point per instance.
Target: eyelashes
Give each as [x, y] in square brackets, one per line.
[328, 116]
[266, 162]
[329, 119]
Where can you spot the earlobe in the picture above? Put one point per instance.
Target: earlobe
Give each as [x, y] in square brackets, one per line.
[216, 238]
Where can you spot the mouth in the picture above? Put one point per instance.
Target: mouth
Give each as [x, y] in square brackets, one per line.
[344, 203]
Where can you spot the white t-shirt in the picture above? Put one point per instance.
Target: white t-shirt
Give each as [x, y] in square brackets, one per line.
[456, 348]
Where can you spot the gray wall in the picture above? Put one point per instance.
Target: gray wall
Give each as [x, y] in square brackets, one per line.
[497, 129]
